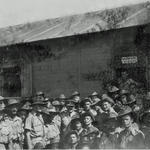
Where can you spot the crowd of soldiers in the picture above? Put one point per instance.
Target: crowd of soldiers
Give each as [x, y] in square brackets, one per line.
[116, 119]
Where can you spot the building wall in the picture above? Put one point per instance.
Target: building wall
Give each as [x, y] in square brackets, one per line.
[83, 66]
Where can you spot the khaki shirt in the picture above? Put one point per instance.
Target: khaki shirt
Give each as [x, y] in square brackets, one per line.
[6, 131]
[35, 125]
[52, 133]
[17, 126]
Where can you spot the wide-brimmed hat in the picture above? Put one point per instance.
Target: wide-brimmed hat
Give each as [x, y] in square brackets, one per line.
[61, 97]
[97, 102]
[108, 99]
[125, 111]
[88, 114]
[113, 89]
[75, 93]
[38, 103]
[87, 99]
[131, 99]
[56, 103]
[47, 99]
[2, 98]
[40, 93]
[94, 94]
[13, 102]
[26, 106]
[45, 111]
[70, 104]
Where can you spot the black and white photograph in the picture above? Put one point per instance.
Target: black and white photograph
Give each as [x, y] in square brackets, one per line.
[74, 74]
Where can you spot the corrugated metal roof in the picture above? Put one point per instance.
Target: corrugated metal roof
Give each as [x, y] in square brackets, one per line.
[77, 24]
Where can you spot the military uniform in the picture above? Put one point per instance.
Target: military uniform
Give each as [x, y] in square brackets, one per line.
[146, 131]
[90, 135]
[131, 139]
[102, 117]
[35, 124]
[6, 132]
[17, 136]
[52, 136]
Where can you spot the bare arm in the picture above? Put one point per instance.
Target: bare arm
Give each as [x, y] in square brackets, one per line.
[29, 142]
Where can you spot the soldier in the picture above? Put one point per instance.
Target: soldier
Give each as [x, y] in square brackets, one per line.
[131, 101]
[34, 127]
[58, 107]
[130, 137]
[76, 96]
[52, 132]
[47, 100]
[23, 114]
[145, 126]
[124, 95]
[40, 96]
[67, 117]
[95, 97]
[6, 131]
[125, 82]
[109, 137]
[3, 102]
[91, 133]
[113, 92]
[138, 96]
[71, 110]
[107, 106]
[17, 124]
[62, 98]
[87, 106]
[72, 140]
[24, 111]
[76, 124]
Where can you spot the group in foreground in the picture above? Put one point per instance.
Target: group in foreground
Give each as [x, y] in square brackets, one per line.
[117, 119]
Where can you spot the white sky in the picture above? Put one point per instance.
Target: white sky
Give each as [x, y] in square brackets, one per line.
[14, 12]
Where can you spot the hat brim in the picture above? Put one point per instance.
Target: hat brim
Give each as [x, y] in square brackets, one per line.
[96, 103]
[106, 100]
[5, 99]
[11, 105]
[124, 114]
[38, 103]
[88, 114]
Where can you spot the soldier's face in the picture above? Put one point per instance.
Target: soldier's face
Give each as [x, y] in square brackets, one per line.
[78, 125]
[124, 99]
[87, 105]
[127, 121]
[2, 105]
[23, 115]
[76, 98]
[106, 106]
[124, 75]
[87, 120]
[13, 110]
[73, 138]
[37, 108]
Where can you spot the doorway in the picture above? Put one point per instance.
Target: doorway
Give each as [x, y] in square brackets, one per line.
[11, 82]
[136, 73]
